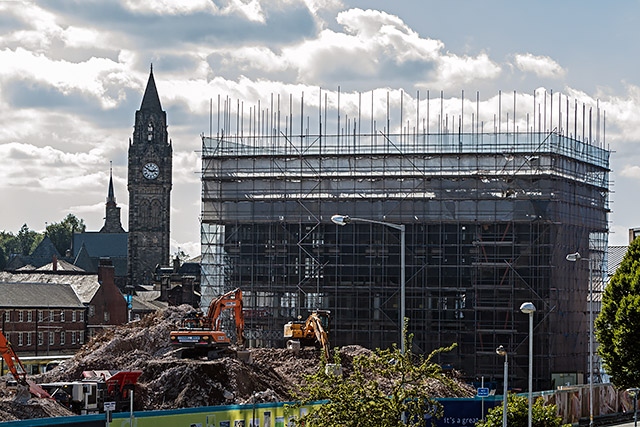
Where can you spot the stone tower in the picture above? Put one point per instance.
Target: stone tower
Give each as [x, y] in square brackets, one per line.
[112, 223]
[149, 183]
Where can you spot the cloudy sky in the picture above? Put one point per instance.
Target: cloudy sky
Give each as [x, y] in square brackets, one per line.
[72, 75]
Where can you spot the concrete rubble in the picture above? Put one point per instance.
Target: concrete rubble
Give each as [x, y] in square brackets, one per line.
[170, 382]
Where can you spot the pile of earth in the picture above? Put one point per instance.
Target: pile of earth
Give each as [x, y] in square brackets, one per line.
[170, 382]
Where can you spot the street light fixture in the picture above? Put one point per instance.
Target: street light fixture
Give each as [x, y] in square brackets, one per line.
[529, 308]
[633, 392]
[502, 352]
[574, 257]
[343, 220]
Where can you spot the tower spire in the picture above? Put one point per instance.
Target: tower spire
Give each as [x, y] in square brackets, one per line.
[111, 197]
[151, 100]
[112, 223]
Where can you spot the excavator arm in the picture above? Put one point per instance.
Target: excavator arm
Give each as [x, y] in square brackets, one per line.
[11, 359]
[321, 335]
[230, 301]
[17, 370]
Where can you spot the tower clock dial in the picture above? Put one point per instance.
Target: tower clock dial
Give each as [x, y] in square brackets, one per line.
[150, 171]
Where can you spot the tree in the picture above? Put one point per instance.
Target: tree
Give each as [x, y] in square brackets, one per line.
[360, 398]
[61, 234]
[27, 240]
[617, 325]
[518, 414]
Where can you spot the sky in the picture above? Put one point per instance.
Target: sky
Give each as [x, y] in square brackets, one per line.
[73, 72]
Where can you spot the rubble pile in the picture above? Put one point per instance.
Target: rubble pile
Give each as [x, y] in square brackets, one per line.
[170, 382]
[35, 408]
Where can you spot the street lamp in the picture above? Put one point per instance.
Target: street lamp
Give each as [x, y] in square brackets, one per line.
[574, 257]
[344, 220]
[633, 392]
[529, 308]
[502, 352]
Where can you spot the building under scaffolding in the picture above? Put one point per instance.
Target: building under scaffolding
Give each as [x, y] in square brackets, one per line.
[489, 220]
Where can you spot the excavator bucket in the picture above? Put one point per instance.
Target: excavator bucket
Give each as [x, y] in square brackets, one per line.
[22, 394]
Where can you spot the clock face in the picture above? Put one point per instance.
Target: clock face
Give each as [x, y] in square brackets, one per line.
[150, 171]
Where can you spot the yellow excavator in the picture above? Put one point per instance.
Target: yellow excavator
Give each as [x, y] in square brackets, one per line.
[314, 331]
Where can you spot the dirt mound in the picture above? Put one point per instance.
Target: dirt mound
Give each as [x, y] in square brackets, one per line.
[34, 408]
[170, 382]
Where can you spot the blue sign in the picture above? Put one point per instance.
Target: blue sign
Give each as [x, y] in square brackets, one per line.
[483, 392]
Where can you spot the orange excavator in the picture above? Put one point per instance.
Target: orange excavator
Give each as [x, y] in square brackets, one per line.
[26, 388]
[201, 335]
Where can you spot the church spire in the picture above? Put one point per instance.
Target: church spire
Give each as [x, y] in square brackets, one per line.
[151, 100]
[112, 223]
[111, 197]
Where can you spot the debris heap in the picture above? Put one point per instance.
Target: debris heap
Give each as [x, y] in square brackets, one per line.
[170, 382]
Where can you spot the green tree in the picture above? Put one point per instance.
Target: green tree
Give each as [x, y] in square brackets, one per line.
[518, 414]
[27, 240]
[360, 399]
[61, 233]
[617, 325]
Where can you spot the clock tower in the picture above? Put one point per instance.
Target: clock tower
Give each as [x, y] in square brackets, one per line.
[149, 184]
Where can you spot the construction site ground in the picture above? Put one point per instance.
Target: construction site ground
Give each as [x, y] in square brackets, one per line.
[169, 382]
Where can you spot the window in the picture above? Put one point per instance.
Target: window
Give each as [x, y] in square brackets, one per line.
[61, 315]
[52, 338]
[73, 315]
[73, 337]
[29, 316]
[20, 316]
[20, 343]
[81, 313]
[29, 339]
[81, 337]
[92, 311]
[40, 338]
[40, 316]
[7, 316]
[52, 316]
[62, 338]
[106, 316]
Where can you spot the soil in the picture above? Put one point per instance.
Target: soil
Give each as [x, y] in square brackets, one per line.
[171, 382]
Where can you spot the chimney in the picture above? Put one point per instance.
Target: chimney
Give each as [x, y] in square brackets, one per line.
[54, 263]
[106, 271]
[176, 264]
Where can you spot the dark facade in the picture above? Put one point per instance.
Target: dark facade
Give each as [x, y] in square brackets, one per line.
[149, 184]
[489, 221]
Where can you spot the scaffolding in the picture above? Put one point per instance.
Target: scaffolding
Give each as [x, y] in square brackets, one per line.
[489, 219]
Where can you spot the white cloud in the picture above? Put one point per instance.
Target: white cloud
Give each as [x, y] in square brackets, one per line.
[631, 171]
[459, 71]
[541, 66]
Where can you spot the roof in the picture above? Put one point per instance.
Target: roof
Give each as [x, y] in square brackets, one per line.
[21, 294]
[151, 100]
[101, 245]
[144, 301]
[615, 255]
[85, 285]
[62, 265]
[45, 249]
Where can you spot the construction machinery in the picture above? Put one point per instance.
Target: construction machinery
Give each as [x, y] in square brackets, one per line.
[25, 387]
[96, 390]
[314, 331]
[201, 335]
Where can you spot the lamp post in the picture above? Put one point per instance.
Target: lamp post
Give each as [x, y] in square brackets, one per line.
[344, 220]
[529, 308]
[502, 352]
[574, 257]
[633, 392]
